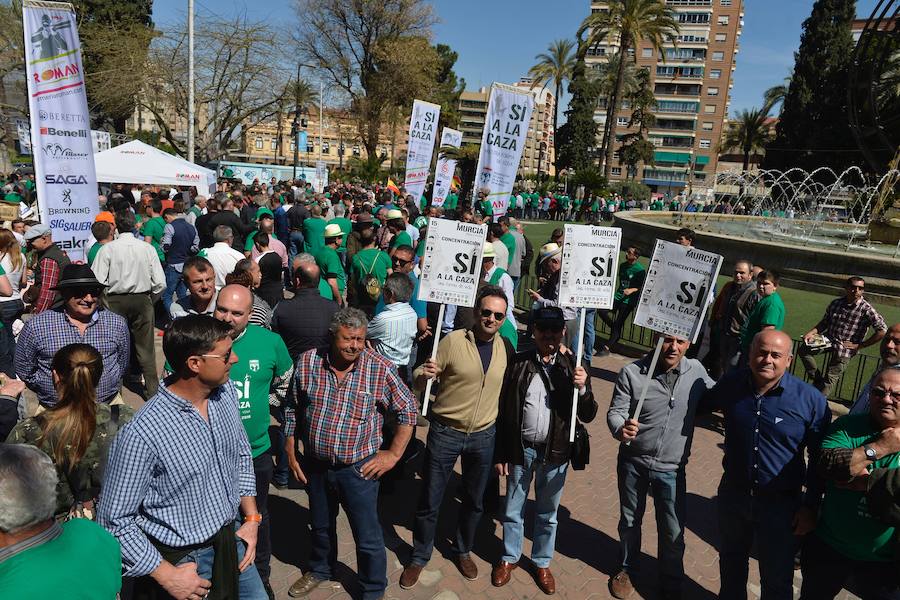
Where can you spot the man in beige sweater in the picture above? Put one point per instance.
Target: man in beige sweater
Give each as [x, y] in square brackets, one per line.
[471, 366]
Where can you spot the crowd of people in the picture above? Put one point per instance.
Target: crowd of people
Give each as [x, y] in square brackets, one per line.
[295, 346]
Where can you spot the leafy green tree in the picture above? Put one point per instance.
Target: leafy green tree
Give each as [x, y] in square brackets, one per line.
[448, 86]
[748, 133]
[554, 66]
[813, 130]
[631, 22]
[466, 157]
[578, 135]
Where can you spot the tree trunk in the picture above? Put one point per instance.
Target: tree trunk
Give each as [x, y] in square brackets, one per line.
[620, 76]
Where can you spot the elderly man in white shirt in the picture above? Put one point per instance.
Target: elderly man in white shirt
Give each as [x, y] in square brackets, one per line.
[221, 255]
[392, 332]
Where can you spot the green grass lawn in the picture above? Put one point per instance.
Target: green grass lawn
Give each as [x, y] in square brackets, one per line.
[804, 309]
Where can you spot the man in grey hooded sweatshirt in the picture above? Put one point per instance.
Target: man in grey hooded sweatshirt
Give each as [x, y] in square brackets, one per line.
[655, 450]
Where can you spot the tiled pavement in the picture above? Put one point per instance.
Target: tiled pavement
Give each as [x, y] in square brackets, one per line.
[586, 544]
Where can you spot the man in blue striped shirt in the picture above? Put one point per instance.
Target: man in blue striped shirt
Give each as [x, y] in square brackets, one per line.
[393, 331]
[179, 471]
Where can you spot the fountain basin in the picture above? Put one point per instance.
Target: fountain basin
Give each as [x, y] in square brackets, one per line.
[820, 264]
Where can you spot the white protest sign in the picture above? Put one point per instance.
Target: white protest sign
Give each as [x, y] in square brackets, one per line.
[451, 265]
[677, 289]
[423, 124]
[443, 174]
[502, 142]
[590, 262]
[60, 124]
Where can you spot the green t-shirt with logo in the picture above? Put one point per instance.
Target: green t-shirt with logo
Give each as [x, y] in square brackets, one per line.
[401, 239]
[630, 276]
[262, 358]
[768, 311]
[155, 228]
[845, 522]
[330, 265]
[83, 563]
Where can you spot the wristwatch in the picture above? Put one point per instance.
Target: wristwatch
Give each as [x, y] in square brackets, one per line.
[870, 453]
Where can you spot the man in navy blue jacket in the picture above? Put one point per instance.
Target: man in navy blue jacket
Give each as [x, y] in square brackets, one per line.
[771, 419]
[179, 242]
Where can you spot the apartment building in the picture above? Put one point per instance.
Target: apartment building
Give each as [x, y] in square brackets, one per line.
[692, 84]
[540, 149]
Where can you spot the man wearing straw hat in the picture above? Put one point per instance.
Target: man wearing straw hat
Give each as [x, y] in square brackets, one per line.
[655, 450]
[330, 262]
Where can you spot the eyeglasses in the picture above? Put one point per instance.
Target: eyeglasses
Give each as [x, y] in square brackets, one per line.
[498, 316]
[882, 393]
[225, 357]
[400, 261]
[81, 293]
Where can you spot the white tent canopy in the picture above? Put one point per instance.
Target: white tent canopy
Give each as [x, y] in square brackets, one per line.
[137, 162]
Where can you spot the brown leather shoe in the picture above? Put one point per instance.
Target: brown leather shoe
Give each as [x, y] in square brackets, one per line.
[501, 573]
[410, 576]
[545, 581]
[303, 586]
[620, 585]
[466, 566]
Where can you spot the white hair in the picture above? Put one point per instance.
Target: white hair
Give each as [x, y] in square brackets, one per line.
[27, 485]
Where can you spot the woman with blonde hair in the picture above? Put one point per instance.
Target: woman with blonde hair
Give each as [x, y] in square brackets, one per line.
[77, 432]
[12, 263]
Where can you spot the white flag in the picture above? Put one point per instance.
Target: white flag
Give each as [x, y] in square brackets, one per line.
[60, 125]
[505, 130]
[443, 174]
[422, 130]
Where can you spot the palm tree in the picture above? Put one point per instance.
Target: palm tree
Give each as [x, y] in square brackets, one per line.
[749, 133]
[466, 158]
[556, 66]
[630, 22]
[777, 93]
[606, 76]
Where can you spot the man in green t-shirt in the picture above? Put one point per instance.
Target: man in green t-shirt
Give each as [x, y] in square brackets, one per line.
[768, 313]
[849, 540]
[368, 261]
[261, 374]
[344, 223]
[154, 227]
[397, 226]
[631, 279]
[40, 558]
[330, 263]
[314, 230]
[104, 232]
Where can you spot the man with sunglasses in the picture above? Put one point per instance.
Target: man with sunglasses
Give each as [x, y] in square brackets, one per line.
[653, 457]
[402, 262]
[845, 323]
[80, 319]
[533, 442]
[470, 366]
[855, 535]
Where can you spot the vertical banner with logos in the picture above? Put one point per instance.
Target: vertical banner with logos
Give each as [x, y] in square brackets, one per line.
[101, 140]
[60, 127]
[422, 130]
[451, 270]
[321, 179]
[443, 174]
[23, 130]
[505, 130]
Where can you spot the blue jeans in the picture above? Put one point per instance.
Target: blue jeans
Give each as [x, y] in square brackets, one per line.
[443, 447]
[669, 492]
[295, 247]
[174, 286]
[768, 519]
[328, 486]
[548, 486]
[250, 585]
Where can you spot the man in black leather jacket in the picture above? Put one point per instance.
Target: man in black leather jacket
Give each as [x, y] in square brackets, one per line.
[533, 442]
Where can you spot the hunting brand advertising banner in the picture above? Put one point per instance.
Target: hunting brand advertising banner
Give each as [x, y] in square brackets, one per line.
[443, 174]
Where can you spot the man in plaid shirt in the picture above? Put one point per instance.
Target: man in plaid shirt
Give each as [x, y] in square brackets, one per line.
[341, 392]
[845, 324]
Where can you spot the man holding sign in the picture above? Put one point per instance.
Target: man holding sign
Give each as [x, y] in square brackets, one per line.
[653, 457]
[533, 442]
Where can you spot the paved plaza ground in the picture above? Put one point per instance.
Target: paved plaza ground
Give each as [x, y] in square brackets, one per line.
[586, 546]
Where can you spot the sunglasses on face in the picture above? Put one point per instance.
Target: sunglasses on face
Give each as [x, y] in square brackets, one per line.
[880, 393]
[551, 328]
[400, 262]
[81, 293]
[498, 316]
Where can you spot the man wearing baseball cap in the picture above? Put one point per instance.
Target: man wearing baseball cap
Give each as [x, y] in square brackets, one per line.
[330, 263]
[533, 442]
[47, 263]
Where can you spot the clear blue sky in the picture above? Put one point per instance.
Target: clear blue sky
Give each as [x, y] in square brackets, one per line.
[498, 39]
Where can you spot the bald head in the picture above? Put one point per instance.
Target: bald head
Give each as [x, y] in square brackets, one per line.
[770, 356]
[234, 305]
[306, 274]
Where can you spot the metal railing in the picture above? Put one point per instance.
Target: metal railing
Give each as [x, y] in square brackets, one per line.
[858, 372]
